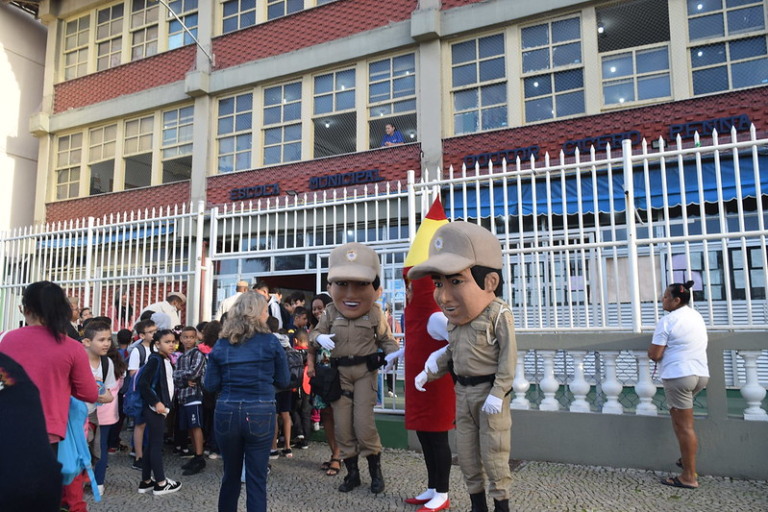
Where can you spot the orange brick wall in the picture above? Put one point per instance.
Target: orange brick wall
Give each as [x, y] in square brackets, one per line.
[651, 122]
[161, 69]
[450, 4]
[118, 202]
[392, 163]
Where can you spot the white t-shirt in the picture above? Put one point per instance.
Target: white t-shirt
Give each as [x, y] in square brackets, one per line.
[684, 334]
[168, 379]
[134, 360]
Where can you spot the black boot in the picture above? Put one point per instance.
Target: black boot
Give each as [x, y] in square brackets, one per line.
[352, 479]
[478, 502]
[377, 479]
[501, 506]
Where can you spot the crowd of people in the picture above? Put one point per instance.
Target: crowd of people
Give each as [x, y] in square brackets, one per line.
[255, 382]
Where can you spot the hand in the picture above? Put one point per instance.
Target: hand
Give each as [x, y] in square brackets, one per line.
[392, 359]
[326, 341]
[430, 364]
[492, 405]
[191, 383]
[106, 397]
[420, 380]
[160, 408]
[310, 370]
[437, 326]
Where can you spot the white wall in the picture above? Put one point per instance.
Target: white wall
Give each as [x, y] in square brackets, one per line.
[22, 59]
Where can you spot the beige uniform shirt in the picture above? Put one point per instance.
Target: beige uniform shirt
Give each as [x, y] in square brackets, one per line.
[358, 337]
[484, 346]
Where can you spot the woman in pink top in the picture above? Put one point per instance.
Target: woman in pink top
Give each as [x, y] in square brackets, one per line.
[57, 364]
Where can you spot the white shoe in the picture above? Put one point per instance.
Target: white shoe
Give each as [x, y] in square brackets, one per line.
[316, 426]
[101, 489]
[167, 488]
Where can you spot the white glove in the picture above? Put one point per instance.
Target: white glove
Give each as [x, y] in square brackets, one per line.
[420, 380]
[430, 364]
[392, 359]
[326, 342]
[492, 405]
[437, 326]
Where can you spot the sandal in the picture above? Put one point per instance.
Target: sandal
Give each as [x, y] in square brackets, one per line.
[333, 471]
[325, 465]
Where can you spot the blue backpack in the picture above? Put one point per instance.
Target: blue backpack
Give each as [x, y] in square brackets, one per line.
[73, 453]
[133, 403]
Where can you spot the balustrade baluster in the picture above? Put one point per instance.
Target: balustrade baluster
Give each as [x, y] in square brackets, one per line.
[549, 384]
[645, 388]
[752, 391]
[520, 384]
[611, 385]
[579, 385]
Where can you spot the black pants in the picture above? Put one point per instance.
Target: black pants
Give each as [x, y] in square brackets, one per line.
[302, 414]
[437, 456]
[153, 453]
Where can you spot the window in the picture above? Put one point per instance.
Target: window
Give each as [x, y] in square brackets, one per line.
[749, 264]
[635, 66]
[101, 158]
[76, 47]
[554, 47]
[234, 132]
[238, 14]
[186, 10]
[138, 152]
[68, 157]
[735, 55]
[706, 285]
[177, 144]
[109, 36]
[334, 114]
[392, 97]
[282, 123]
[278, 8]
[144, 28]
[479, 85]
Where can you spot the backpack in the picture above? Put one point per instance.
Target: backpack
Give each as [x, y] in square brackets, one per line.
[73, 453]
[295, 368]
[133, 403]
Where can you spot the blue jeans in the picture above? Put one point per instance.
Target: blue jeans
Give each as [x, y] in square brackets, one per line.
[244, 429]
[100, 468]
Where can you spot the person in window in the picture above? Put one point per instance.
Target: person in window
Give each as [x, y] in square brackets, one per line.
[679, 346]
[393, 136]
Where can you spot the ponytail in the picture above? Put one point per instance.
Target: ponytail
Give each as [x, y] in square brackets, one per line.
[681, 291]
[48, 302]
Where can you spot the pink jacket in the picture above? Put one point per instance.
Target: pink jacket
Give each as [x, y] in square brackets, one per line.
[58, 369]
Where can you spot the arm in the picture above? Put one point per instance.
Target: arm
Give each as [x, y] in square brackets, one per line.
[196, 372]
[311, 360]
[212, 380]
[282, 375]
[145, 381]
[81, 379]
[659, 341]
[505, 338]
[656, 352]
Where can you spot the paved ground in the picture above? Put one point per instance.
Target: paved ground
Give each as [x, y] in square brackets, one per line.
[297, 484]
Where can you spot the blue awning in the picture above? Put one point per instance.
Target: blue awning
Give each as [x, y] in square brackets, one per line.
[610, 190]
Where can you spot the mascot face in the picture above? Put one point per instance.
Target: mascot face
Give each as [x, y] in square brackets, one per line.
[459, 297]
[352, 299]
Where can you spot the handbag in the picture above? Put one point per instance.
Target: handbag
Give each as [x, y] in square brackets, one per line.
[326, 383]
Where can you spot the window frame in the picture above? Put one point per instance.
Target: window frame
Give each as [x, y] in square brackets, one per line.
[634, 76]
[282, 125]
[235, 134]
[71, 166]
[113, 37]
[80, 50]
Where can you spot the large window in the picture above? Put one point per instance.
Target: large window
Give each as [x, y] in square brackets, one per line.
[186, 10]
[144, 28]
[392, 97]
[554, 47]
[101, 158]
[479, 86]
[734, 54]
[137, 149]
[68, 157]
[177, 144]
[633, 40]
[109, 37]
[238, 14]
[334, 113]
[278, 8]
[748, 272]
[76, 47]
[282, 123]
[234, 132]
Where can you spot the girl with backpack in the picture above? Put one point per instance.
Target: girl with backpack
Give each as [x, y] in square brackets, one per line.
[156, 386]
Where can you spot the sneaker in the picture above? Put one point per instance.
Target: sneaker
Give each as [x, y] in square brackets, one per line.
[167, 488]
[214, 456]
[132, 453]
[146, 487]
[186, 453]
[302, 444]
[316, 426]
[274, 454]
[391, 394]
[287, 453]
[194, 466]
[138, 464]
[112, 450]
[101, 489]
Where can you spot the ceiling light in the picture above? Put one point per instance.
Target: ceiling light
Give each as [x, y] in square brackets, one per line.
[600, 28]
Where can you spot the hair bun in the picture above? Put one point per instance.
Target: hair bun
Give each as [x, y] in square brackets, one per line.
[688, 285]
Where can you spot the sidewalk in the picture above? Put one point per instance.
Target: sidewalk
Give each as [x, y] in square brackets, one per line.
[298, 485]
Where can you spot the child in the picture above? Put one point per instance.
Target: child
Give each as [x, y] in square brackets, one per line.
[97, 339]
[139, 354]
[465, 264]
[302, 407]
[283, 401]
[188, 378]
[156, 385]
[360, 330]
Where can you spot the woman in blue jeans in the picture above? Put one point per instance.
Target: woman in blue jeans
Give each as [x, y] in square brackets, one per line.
[244, 368]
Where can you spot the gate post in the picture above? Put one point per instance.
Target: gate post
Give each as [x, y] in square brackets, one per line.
[629, 201]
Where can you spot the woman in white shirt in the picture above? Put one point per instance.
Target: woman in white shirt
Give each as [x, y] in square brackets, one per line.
[679, 345]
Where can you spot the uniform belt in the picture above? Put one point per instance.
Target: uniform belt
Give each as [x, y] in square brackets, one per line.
[348, 360]
[474, 381]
